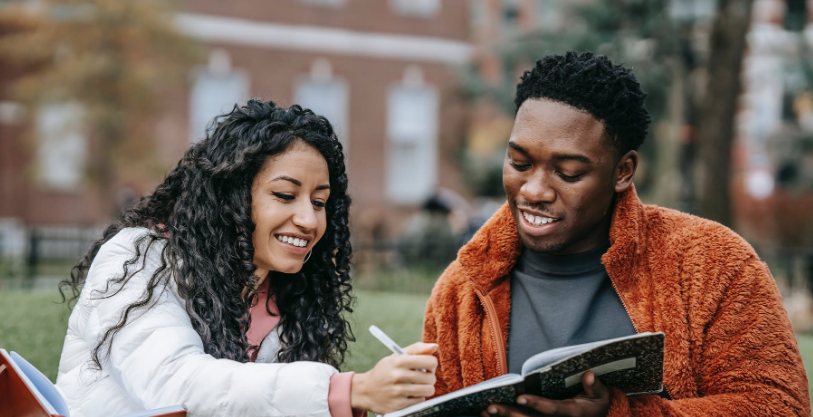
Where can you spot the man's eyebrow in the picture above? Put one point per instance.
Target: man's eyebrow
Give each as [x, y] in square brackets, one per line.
[557, 157]
[517, 147]
[572, 157]
[299, 183]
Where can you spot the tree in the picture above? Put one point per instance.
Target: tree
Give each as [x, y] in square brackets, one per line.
[638, 33]
[719, 107]
[112, 58]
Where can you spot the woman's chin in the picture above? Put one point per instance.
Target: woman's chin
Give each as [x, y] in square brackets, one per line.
[289, 268]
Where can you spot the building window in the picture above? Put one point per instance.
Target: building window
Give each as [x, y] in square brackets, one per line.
[216, 90]
[418, 8]
[478, 13]
[62, 146]
[796, 15]
[412, 126]
[509, 22]
[688, 11]
[326, 95]
[329, 3]
[549, 15]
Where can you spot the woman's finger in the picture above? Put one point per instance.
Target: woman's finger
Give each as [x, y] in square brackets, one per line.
[420, 348]
[419, 378]
[418, 390]
[425, 362]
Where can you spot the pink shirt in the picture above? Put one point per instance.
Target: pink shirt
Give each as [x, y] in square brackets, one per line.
[262, 323]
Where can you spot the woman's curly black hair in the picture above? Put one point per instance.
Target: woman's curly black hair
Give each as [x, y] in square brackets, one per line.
[593, 84]
[202, 213]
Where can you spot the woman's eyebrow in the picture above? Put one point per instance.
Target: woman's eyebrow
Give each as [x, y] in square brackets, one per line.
[287, 178]
[298, 183]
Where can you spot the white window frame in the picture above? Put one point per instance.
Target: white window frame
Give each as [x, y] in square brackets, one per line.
[321, 72]
[416, 8]
[62, 146]
[219, 67]
[395, 180]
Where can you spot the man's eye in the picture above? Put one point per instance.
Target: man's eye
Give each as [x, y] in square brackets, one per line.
[569, 178]
[520, 167]
[283, 196]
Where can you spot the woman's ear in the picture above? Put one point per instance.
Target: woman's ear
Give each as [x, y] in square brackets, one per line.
[625, 171]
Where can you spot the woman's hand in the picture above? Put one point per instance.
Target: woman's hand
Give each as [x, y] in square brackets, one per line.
[395, 382]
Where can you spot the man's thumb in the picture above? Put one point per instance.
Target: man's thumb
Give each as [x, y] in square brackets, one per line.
[592, 386]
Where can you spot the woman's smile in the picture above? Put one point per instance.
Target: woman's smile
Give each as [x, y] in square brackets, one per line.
[295, 243]
[288, 200]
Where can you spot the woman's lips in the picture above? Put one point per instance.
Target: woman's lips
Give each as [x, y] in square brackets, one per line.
[292, 247]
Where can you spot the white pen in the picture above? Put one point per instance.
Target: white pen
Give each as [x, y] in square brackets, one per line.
[389, 343]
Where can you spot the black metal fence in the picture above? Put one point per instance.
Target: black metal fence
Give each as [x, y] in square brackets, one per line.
[52, 251]
[44, 252]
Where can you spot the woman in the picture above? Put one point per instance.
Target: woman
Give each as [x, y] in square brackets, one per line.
[226, 290]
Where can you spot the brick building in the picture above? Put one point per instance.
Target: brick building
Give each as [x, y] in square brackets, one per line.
[384, 72]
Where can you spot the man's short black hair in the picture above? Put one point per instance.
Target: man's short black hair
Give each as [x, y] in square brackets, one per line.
[593, 84]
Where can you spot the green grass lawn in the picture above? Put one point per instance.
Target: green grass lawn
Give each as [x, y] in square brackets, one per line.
[34, 323]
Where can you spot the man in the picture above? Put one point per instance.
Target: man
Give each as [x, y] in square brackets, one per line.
[574, 256]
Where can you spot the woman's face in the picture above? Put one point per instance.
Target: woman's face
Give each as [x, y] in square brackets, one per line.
[288, 198]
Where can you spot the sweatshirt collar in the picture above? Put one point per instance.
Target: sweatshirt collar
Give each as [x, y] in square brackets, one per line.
[492, 252]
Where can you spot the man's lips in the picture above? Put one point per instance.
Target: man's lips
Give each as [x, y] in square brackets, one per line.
[535, 223]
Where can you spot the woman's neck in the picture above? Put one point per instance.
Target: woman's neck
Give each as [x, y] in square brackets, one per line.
[261, 275]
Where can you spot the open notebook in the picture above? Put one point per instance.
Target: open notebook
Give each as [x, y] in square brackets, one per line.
[633, 364]
[25, 391]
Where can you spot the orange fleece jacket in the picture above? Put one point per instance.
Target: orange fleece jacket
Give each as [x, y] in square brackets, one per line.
[729, 348]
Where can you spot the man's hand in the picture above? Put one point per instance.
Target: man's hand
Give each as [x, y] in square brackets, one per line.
[593, 402]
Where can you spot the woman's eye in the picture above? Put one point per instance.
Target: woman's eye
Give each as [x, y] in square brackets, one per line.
[569, 178]
[520, 167]
[318, 204]
[283, 196]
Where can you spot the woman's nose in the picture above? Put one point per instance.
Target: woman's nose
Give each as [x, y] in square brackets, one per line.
[305, 217]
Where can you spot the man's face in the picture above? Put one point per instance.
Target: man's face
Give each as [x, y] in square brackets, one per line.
[560, 177]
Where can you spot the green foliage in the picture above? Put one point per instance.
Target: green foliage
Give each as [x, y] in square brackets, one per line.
[115, 59]
[636, 33]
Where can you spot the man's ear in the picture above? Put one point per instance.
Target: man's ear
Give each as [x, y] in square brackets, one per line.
[625, 171]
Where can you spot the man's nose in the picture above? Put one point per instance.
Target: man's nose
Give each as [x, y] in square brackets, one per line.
[537, 189]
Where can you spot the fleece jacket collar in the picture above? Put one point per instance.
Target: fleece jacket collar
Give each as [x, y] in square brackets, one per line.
[498, 241]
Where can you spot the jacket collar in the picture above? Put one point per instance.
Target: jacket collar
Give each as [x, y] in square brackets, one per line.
[492, 252]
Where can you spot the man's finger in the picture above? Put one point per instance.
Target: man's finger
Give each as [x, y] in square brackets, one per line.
[503, 411]
[543, 405]
[593, 387]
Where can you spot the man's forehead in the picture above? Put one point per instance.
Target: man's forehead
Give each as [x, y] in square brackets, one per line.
[545, 125]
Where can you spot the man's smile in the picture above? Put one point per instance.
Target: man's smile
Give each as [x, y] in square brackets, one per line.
[536, 225]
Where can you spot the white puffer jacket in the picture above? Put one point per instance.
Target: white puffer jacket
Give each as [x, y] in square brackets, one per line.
[157, 359]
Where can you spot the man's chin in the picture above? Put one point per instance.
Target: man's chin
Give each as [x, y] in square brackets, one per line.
[545, 246]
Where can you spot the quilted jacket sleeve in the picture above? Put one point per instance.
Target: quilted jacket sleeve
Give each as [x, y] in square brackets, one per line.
[749, 362]
[158, 357]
